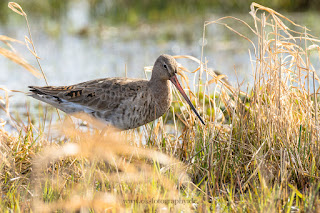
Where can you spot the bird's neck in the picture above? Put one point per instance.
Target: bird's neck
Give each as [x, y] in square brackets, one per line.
[159, 86]
[161, 90]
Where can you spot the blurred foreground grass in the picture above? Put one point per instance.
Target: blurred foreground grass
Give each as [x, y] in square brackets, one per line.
[259, 151]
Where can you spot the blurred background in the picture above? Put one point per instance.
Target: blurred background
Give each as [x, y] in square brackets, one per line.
[79, 40]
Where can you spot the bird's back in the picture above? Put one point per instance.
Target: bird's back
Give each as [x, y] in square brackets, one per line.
[122, 102]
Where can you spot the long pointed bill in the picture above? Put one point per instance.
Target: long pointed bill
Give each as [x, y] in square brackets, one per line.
[175, 81]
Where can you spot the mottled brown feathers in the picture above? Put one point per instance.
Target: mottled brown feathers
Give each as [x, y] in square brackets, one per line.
[119, 101]
[122, 102]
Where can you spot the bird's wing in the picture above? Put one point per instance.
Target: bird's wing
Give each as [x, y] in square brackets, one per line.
[97, 95]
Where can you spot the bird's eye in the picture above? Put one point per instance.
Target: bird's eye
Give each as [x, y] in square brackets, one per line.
[165, 66]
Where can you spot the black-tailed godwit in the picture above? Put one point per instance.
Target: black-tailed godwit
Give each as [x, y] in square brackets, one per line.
[122, 102]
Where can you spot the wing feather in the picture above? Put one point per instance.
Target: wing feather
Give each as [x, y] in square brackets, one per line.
[100, 95]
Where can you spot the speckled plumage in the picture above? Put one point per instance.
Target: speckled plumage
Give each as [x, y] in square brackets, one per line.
[122, 102]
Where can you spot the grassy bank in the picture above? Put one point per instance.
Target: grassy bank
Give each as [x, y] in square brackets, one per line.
[140, 11]
[259, 151]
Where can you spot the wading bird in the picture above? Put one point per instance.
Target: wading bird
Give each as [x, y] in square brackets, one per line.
[122, 102]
